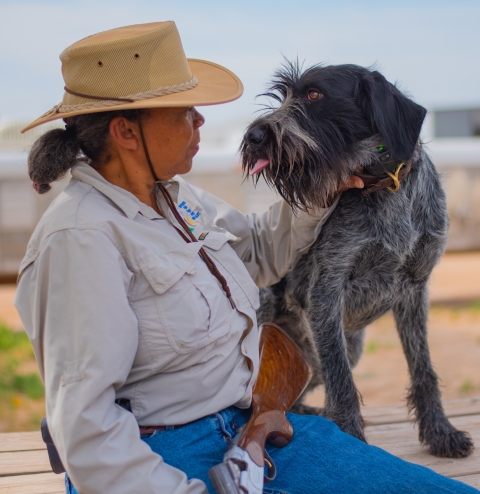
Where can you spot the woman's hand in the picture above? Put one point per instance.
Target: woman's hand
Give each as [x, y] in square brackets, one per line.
[353, 182]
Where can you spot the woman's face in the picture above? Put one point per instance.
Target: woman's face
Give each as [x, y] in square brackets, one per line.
[172, 136]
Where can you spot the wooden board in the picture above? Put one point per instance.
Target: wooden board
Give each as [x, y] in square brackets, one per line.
[21, 441]
[23, 462]
[25, 469]
[399, 413]
[473, 480]
[40, 483]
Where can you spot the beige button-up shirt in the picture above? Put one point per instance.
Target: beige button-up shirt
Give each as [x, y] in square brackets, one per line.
[118, 305]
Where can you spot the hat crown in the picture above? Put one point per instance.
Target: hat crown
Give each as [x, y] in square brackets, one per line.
[125, 61]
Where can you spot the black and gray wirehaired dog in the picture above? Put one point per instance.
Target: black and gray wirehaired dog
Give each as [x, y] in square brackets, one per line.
[375, 253]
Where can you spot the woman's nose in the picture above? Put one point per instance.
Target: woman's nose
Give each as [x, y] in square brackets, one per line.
[198, 119]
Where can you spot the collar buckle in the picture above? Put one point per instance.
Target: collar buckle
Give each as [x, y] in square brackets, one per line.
[394, 176]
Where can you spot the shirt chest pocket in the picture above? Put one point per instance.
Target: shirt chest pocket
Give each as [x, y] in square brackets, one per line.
[224, 255]
[193, 310]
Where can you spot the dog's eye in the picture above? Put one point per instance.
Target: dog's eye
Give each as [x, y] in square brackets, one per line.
[313, 95]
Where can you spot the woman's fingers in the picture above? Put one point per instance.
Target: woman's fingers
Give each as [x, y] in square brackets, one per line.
[353, 182]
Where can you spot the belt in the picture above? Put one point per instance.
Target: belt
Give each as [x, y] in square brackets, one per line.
[146, 429]
[150, 429]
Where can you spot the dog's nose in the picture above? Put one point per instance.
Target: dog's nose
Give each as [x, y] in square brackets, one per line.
[256, 135]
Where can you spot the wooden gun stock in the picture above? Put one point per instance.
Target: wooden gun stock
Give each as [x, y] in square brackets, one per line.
[284, 374]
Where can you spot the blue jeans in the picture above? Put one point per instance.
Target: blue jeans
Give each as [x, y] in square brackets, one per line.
[320, 459]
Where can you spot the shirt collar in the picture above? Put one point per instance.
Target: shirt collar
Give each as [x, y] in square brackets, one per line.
[123, 199]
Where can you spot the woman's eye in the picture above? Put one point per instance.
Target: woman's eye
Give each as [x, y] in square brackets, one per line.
[313, 95]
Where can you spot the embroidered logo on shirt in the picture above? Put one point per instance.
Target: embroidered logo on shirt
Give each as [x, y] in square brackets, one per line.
[203, 236]
[189, 215]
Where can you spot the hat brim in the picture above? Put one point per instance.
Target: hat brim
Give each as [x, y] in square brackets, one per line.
[216, 85]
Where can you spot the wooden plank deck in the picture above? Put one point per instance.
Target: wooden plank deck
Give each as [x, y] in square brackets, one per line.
[24, 466]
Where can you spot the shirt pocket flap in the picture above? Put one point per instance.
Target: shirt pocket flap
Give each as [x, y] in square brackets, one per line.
[215, 240]
[164, 270]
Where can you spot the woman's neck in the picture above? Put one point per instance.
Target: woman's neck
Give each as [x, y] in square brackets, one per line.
[132, 176]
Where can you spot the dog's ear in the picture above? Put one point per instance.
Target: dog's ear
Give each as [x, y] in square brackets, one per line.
[392, 115]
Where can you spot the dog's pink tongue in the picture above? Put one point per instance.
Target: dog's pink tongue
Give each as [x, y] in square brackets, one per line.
[259, 166]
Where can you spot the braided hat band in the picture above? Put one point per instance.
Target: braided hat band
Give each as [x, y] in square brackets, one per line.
[106, 101]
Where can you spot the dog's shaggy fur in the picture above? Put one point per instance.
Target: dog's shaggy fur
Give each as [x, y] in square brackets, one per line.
[374, 254]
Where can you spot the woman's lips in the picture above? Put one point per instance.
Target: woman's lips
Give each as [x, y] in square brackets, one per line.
[195, 148]
[259, 166]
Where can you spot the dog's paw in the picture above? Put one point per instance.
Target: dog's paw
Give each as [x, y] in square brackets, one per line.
[302, 409]
[450, 444]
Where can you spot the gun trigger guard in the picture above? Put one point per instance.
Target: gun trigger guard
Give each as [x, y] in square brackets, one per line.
[242, 465]
[271, 468]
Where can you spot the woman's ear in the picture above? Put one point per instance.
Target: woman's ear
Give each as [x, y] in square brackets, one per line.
[124, 133]
[391, 114]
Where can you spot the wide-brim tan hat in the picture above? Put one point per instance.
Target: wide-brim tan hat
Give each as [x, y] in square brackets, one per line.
[140, 66]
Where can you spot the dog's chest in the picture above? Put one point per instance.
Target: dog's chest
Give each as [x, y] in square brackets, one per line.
[358, 255]
[373, 232]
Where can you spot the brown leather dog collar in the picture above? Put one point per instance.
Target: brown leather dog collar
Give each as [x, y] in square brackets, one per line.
[390, 181]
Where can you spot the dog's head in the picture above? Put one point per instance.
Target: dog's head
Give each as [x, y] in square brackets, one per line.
[330, 120]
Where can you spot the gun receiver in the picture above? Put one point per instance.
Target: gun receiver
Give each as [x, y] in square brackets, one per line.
[284, 374]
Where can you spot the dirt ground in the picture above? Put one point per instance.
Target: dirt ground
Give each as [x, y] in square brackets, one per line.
[454, 339]
[455, 280]
[381, 375]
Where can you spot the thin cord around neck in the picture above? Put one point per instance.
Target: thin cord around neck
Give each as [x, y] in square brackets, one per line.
[189, 237]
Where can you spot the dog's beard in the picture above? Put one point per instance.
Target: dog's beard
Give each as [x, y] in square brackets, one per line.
[293, 156]
[305, 173]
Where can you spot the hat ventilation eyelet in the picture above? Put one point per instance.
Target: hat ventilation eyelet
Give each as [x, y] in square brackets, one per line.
[100, 63]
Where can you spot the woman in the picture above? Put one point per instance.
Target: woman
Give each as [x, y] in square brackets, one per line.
[139, 292]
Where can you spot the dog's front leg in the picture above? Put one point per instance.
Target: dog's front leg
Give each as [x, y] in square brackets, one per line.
[435, 430]
[342, 400]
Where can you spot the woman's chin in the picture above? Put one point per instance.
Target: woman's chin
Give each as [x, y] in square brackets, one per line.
[185, 167]
[178, 169]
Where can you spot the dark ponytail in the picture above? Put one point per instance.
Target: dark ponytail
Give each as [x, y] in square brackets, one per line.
[85, 136]
[51, 156]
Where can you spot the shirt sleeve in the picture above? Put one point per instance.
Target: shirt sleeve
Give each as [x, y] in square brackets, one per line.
[272, 242]
[73, 301]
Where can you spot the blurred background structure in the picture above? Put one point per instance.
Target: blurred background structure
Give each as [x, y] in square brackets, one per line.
[452, 138]
[426, 46]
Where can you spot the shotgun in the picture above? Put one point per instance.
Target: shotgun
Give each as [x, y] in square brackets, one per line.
[283, 375]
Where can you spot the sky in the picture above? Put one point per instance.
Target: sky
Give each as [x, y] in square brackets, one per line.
[430, 48]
